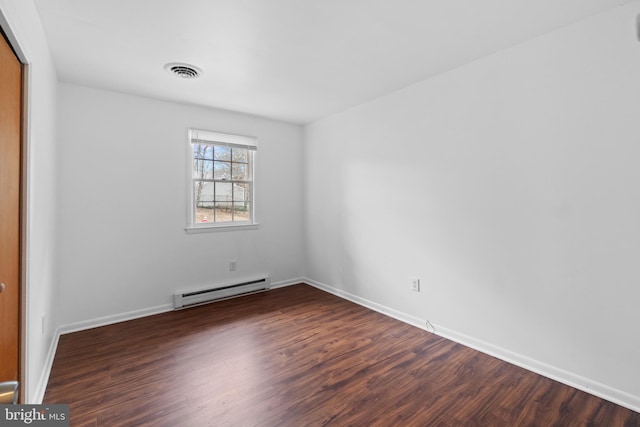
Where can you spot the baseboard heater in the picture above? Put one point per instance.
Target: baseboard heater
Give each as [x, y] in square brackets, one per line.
[202, 296]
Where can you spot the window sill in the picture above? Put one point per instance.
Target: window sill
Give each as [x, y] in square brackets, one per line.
[219, 228]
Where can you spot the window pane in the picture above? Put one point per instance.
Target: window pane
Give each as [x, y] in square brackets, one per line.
[240, 155]
[240, 172]
[223, 212]
[241, 192]
[222, 153]
[241, 211]
[223, 192]
[203, 169]
[203, 197]
[202, 151]
[221, 170]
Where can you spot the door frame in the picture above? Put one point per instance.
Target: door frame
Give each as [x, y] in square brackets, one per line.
[24, 202]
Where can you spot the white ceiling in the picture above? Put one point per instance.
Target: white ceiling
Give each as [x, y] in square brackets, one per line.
[292, 60]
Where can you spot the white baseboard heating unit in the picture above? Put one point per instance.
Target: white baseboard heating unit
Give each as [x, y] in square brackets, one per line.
[201, 296]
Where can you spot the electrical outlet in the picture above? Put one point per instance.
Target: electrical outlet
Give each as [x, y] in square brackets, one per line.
[43, 323]
[233, 265]
[415, 285]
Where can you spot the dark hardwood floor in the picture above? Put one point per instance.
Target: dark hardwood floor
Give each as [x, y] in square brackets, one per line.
[298, 356]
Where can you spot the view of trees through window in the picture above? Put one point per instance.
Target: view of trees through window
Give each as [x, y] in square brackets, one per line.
[222, 183]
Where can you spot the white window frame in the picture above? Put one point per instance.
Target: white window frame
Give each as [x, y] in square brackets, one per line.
[197, 136]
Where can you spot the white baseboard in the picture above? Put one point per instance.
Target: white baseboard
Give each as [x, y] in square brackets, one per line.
[38, 395]
[403, 317]
[587, 385]
[289, 282]
[114, 318]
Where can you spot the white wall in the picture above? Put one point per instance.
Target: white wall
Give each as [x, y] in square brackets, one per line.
[510, 187]
[23, 23]
[123, 195]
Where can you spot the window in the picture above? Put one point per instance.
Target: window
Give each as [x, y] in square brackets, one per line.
[221, 184]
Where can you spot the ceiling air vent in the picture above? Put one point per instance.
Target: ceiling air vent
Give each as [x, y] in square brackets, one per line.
[184, 71]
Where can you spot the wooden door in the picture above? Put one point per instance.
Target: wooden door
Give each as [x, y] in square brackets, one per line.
[10, 185]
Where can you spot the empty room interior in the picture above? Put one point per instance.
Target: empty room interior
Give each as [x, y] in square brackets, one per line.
[298, 212]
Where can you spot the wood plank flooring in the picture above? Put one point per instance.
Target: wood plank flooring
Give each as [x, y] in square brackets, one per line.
[297, 356]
